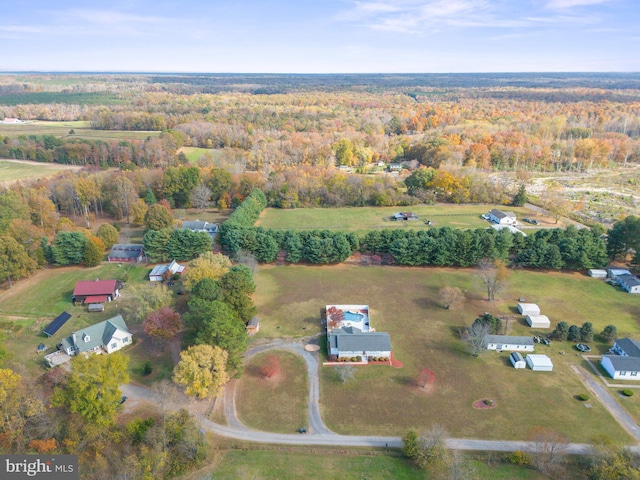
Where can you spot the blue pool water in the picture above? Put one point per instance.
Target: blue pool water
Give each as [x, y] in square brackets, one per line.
[353, 317]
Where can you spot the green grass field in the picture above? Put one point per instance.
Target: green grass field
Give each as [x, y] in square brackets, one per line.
[193, 154]
[11, 171]
[331, 466]
[82, 129]
[277, 404]
[371, 218]
[60, 97]
[405, 303]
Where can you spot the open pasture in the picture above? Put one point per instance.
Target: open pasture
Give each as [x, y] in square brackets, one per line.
[405, 303]
[82, 129]
[12, 170]
[193, 154]
[362, 219]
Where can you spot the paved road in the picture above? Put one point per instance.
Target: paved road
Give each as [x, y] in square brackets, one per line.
[319, 434]
[608, 402]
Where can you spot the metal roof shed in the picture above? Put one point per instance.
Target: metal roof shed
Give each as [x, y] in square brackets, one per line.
[540, 363]
[538, 321]
[528, 309]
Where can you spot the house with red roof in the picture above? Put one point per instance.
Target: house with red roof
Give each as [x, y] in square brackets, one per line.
[96, 291]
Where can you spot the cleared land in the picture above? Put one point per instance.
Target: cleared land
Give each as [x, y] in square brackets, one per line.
[363, 219]
[277, 404]
[334, 466]
[193, 154]
[82, 129]
[405, 302]
[12, 170]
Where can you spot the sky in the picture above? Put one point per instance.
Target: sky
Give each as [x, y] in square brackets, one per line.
[321, 36]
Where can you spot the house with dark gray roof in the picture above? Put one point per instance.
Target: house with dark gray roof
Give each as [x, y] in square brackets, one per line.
[201, 226]
[625, 363]
[126, 253]
[629, 282]
[352, 342]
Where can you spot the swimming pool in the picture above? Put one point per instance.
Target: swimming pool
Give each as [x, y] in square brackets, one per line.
[353, 317]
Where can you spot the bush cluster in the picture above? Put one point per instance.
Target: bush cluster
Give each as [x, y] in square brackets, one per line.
[583, 397]
[627, 392]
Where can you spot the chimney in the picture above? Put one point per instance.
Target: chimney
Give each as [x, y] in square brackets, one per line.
[73, 338]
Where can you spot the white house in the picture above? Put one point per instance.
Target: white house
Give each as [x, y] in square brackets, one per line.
[621, 367]
[502, 218]
[108, 336]
[597, 273]
[538, 321]
[516, 360]
[506, 342]
[630, 283]
[528, 309]
[540, 363]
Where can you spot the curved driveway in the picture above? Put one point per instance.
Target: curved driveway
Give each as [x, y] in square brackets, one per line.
[319, 434]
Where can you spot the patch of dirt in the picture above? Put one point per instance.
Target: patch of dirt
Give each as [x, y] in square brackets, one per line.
[481, 405]
[395, 363]
[426, 390]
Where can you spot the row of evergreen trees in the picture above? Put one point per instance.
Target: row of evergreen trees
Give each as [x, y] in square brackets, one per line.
[568, 248]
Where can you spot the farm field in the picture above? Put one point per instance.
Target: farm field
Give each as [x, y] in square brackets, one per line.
[295, 465]
[12, 170]
[82, 129]
[405, 303]
[277, 404]
[194, 153]
[362, 219]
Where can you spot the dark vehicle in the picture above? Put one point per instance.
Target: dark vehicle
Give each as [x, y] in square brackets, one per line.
[532, 221]
[583, 348]
[122, 400]
[302, 430]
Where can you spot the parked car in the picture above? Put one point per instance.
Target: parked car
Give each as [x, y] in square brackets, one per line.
[484, 216]
[532, 221]
[122, 400]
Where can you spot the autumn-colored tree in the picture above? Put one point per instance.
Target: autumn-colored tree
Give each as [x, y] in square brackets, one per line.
[452, 297]
[208, 265]
[15, 263]
[108, 234]
[549, 450]
[43, 446]
[138, 212]
[157, 217]
[271, 367]
[163, 324]
[493, 275]
[140, 300]
[554, 201]
[92, 252]
[202, 370]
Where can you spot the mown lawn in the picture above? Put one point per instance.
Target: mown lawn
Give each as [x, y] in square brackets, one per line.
[405, 302]
[82, 129]
[193, 154]
[329, 466]
[10, 170]
[277, 404]
[370, 218]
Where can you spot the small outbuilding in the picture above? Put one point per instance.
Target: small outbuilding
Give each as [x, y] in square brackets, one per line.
[528, 309]
[597, 273]
[41, 348]
[516, 360]
[540, 363]
[538, 321]
[253, 326]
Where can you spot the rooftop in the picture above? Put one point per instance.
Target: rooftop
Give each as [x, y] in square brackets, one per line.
[624, 364]
[630, 346]
[508, 339]
[95, 287]
[351, 339]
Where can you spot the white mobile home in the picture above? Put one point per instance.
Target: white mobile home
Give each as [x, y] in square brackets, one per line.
[540, 363]
[516, 360]
[538, 321]
[597, 273]
[507, 342]
[528, 309]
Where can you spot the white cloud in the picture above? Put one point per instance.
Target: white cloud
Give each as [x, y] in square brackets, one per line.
[564, 4]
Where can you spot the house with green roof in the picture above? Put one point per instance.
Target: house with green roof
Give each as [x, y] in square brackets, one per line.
[104, 337]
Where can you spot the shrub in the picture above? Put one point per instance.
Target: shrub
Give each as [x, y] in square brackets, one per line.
[583, 397]
[517, 458]
[117, 226]
[147, 368]
[627, 392]
[489, 402]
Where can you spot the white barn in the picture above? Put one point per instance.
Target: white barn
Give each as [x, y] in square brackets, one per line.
[538, 321]
[528, 309]
[540, 363]
[621, 367]
[597, 273]
[507, 342]
[517, 361]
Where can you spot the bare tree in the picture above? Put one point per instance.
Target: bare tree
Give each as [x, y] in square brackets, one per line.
[549, 450]
[248, 259]
[554, 202]
[433, 453]
[200, 196]
[475, 336]
[345, 373]
[493, 275]
[452, 297]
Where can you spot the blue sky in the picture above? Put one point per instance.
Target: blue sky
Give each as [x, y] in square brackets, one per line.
[321, 36]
